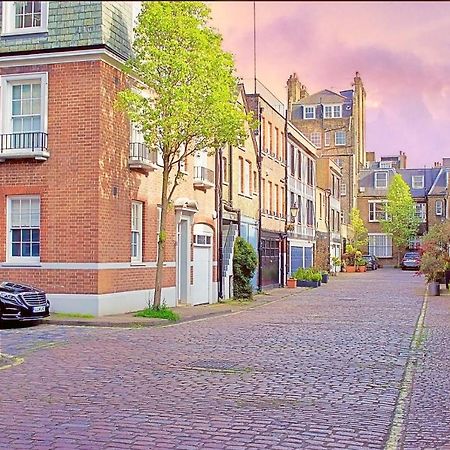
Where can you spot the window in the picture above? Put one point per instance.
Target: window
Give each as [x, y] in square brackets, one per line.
[269, 135]
[292, 160]
[439, 207]
[277, 142]
[283, 201]
[283, 148]
[25, 104]
[24, 217]
[224, 169]
[380, 245]
[310, 172]
[241, 175]
[136, 231]
[381, 180]
[421, 211]
[299, 164]
[309, 213]
[247, 178]
[385, 164]
[263, 195]
[414, 243]
[270, 198]
[417, 182]
[377, 211]
[277, 200]
[343, 189]
[24, 17]
[316, 139]
[264, 141]
[309, 112]
[340, 138]
[202, 239]
[299, 204]
[332, 111]
[255, 182]
[327, 139]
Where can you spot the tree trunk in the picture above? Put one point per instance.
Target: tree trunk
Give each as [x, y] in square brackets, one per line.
[161, 240]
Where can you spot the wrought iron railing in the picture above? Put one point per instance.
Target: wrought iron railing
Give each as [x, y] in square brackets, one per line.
[140, 152]
[34, 141]
[203, 174]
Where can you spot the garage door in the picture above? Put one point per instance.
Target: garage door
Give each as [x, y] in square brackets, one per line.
[296, 258]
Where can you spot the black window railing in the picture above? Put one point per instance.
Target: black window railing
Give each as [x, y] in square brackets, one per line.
[203, 174]
[34, 141]
[140, 152]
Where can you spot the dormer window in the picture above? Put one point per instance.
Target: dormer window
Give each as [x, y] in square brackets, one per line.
[417, 182]
[309, 112]
[24, 17]
[385, 164]
[381, 180]
[332, 111]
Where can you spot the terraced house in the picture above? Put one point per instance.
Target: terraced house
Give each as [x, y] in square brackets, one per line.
[79, 190]
[429, 189]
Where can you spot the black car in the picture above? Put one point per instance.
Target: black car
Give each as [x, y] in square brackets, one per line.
[22, 302]
[411, 260]
[372, 262]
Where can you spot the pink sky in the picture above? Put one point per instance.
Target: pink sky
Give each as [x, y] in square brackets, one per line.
[401, 50]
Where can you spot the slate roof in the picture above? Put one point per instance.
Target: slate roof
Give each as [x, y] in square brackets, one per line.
[325, 97]
[440, 184]
[429, 175]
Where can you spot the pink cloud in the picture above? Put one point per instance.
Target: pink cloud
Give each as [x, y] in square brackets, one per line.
[400, 49]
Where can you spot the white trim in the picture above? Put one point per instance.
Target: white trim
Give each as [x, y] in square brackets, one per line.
[421, 180]
[376, 179]
[138, 208]
[336, 135]
[372, 202]
[332, 106]
[9, 16]
[314, 112]
[440, 210]
[83, 266]
[385, 246]
[435, 182]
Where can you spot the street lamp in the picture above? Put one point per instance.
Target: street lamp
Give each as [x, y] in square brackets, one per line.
[294, 212]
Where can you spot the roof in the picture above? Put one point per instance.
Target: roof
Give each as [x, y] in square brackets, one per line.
[440, 184]
[429, 175]
[325, 96]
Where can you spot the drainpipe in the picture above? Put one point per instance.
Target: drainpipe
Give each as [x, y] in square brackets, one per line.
[259, 162]
[219, 223]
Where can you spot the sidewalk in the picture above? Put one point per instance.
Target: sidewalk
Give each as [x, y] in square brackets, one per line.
[186, 313]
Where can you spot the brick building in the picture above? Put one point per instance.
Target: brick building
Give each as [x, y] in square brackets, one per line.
[335, 123]
[79, 190]
[429, 189]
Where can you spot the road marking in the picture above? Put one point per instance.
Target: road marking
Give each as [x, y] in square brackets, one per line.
[400, 412]
[15, 361]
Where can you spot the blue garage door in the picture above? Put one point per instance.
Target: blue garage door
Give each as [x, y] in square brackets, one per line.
[308, 257]
[296, 258]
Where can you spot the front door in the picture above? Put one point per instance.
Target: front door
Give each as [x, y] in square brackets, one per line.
[182, 261]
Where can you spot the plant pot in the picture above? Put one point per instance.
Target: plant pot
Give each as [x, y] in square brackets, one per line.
[350, 269]
[324, 278]
[291, 283]
[311, 284]
[362, 268]
[434, 288]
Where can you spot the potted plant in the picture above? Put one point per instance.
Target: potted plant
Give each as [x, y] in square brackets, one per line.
[324, 274]
[307, 277]
[350, 256]
[361, 265]
[431, 266]
[336, 265]
[291, 282]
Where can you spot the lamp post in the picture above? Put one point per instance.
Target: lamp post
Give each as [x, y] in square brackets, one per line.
[328, 195]
[294, 211]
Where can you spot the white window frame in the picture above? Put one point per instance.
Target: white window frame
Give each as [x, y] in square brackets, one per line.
[305, 113]
[319, 140]
[136, 227]
[387, 246]
[385, 164]
[439, 207]
[21, 260]
[339, 114]
[327, 138]
[343, 189]
[377, 180]
[340, 133]
[329, 111]
[9, 20]
[6, 84]
[421, 211]
[373, 210]
[247, 174]
[417, 182]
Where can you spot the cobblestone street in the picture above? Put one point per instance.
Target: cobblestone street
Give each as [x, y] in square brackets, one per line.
[323, 368]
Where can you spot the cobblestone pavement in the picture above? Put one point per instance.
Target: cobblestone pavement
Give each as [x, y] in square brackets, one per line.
[319, 369]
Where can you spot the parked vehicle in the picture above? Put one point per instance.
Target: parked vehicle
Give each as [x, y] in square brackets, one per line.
[371, 262]
[22, 302]
[411, 260]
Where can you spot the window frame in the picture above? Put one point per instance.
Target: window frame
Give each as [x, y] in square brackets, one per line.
[340, 133]
[373, 217]
[441, 207]
[305, 114]
[414, 181]
[333, 114]
[9, 20]
[373, 251]
[139, 257]
[21, 260]
[319, 140]
[343, 189]
[376, 180]
[422, 211]
[6, 84]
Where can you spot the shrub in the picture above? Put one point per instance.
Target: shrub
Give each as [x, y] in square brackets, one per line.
[307, 274]
[244, 266]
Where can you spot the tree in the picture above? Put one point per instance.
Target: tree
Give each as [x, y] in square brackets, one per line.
[185, 96]
[401, 219]
[244, 266]
[359, 237]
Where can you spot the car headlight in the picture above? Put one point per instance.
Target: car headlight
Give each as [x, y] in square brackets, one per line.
[12, 298]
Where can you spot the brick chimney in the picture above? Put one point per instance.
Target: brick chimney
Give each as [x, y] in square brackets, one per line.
[446, 162]
[370, 157]
[296, 91]
[402, 160]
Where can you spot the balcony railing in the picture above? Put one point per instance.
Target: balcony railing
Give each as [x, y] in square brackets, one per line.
[32, 144]
[141, 158]
[203, 177]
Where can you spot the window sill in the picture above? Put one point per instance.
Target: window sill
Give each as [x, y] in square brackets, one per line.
[20, 264]
[137, 264]
[246, 195]
[20, 32]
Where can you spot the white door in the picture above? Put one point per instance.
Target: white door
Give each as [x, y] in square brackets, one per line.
[201, 292]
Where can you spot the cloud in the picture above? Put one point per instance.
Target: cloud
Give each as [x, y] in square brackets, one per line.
[399, 49]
